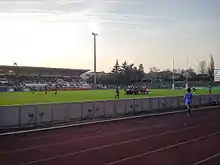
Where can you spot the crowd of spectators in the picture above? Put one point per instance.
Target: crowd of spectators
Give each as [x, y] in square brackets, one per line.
[40, 82]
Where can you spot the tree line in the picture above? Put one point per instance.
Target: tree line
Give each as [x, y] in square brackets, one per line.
[126, 73]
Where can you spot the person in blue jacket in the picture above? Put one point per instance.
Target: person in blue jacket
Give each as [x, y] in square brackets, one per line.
[188, 100]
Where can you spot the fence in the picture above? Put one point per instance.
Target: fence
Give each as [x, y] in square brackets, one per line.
[26, 115]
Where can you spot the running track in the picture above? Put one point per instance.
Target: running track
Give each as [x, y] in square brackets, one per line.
[174, 139]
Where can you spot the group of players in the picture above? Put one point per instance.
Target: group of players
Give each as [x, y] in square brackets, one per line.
[135, 90]
[46, 89]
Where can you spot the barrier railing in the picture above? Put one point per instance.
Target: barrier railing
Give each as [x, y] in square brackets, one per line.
[23, 115]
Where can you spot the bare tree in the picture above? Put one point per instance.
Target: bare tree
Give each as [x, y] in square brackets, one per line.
[202, 67]
[211, 68]
[154, 69]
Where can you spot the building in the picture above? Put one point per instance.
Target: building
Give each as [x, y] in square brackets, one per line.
[87, 75]
[20, 77]
[40, 71]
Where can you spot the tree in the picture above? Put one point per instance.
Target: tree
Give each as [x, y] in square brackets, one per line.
[129, 73]
[116, 67]
[134, 74]
[166, 75]
[141, 68]
[211, 68]
[190, 72]
[154, 69]
[154, 72]
[140, 72]
[202, 67]
[124, 66]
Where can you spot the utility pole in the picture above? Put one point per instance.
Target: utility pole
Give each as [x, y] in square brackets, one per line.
[187, 74]
[173, 85]
[94, 34]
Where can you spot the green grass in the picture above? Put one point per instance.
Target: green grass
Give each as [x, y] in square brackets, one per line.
[12, 98]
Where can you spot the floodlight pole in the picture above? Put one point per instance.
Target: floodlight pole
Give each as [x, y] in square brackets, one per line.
[94, 34]
[187, 68]
[173, 85]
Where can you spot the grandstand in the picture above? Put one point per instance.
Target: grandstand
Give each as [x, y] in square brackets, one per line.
[24, 78]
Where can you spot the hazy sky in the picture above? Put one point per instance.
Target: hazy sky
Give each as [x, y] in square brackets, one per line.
[57, 33]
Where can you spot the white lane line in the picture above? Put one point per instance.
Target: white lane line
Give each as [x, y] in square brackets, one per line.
[162, 149]
[113, 144]
[81, 139]
[97, 136]
[104, 121]
[57, 134]
[206, 159]
[96, 130]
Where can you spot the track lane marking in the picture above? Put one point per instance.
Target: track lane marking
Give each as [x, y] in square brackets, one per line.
[81, 139]
[96, 136]
[206, 159]
[115, 144]
[163, 148]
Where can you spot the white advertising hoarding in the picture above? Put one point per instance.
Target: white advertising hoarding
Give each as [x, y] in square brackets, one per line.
[217, 75]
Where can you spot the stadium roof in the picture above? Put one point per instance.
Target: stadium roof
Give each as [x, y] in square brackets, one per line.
[43, 71]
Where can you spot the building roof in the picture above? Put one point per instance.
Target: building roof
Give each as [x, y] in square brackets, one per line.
[27, 70]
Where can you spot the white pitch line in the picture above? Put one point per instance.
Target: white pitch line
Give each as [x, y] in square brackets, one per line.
[162, 149]
[206, 159]
[112, 145]
[103, 121]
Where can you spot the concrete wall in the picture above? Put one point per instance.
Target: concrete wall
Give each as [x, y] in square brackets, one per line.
[175, 102]
[87, 110]
[44, 113]
[9, 116]
[99, 109]
[146, 105]
[205, 99]
[138, 105]
[64, 112]
[110, 108]
[28, 114]
[120, 107]
[73, 112]
[196, 101]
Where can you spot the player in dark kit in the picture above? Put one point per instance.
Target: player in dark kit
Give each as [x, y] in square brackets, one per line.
[56, 91]
[117, 93]
[46, 89]
[210, 89]
[194, 89]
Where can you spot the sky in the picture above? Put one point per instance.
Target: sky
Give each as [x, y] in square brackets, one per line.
[58, 33]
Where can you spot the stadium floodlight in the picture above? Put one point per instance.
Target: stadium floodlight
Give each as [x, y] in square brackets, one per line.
[94, 34]
[187, 73]
[173, 84]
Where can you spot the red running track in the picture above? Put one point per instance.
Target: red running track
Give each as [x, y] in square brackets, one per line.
[175, 139]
